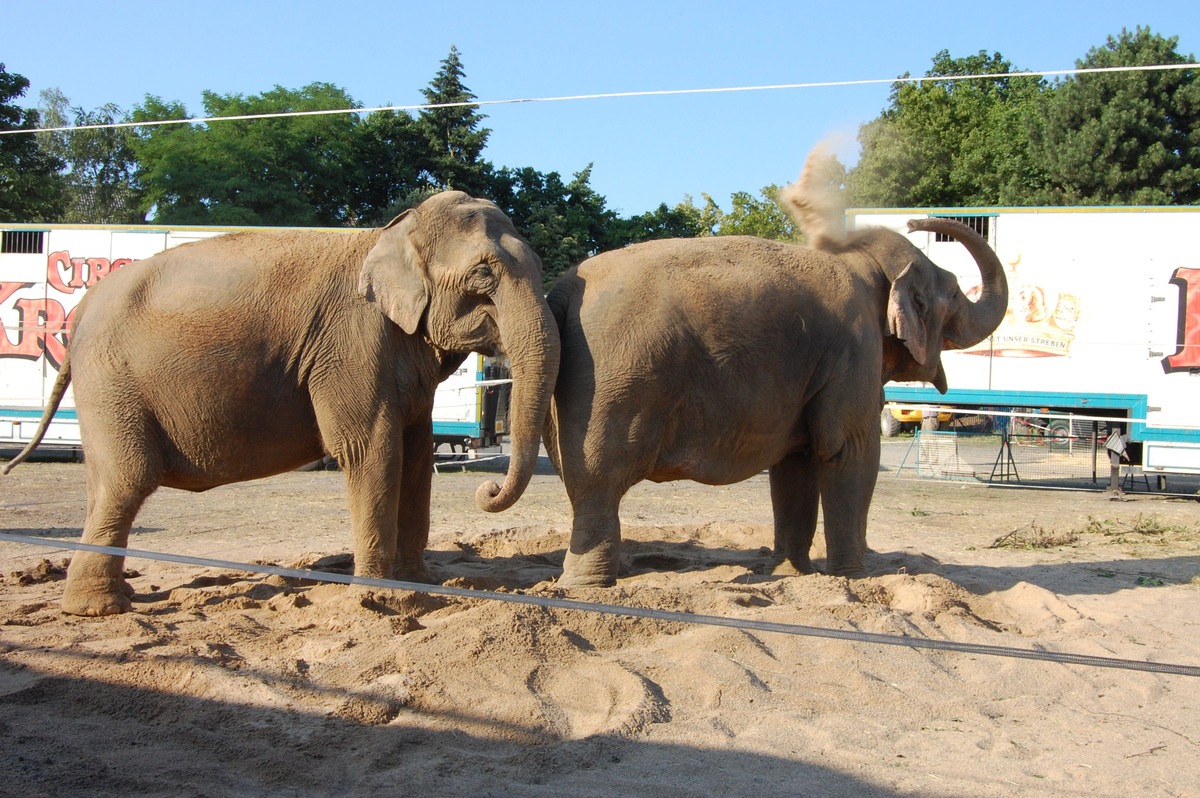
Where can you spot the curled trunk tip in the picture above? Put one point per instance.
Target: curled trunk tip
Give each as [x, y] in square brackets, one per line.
[986, 313]
[491, 498]
[531, 340]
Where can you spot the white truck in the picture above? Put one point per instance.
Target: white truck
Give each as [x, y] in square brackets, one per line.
[44, 272]
[1103, 323]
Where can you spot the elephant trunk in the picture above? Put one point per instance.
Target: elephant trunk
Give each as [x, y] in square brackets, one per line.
[531, 341]
[981, 317]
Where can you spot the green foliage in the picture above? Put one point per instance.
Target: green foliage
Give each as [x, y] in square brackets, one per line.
[285, 171]
[685, 220]
[1034, 536]
[759, 216]
[563, 222]
[949, 142]
[1148, 526]
[1129, 137]
[391, 160]
[318, 169]
[1122, 137]
[1092, 139]
[98, 164]
[452, 133]
[30, 190]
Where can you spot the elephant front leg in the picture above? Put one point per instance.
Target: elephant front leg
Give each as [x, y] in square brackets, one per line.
[795, 499]
[846, 489]
[412, 524]
[373, 488]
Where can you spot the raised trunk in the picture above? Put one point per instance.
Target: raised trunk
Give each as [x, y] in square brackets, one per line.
[981, 317]
[531, 341]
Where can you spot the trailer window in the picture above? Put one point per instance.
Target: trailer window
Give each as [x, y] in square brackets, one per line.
[980, 224]
[22, 242]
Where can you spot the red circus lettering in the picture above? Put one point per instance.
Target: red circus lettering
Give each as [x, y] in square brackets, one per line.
[67, 274]
[41, 327]
[25, 346]
[60, 265]
[42, 322]
[1187, 356]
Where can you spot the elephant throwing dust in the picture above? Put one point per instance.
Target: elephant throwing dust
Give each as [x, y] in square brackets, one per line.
[253, 353]
[712, 359]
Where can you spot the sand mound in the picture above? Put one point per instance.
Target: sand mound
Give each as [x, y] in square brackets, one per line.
[229, 683]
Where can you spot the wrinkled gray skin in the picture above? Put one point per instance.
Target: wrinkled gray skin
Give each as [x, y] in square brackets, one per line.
[713, 359]
[254, 353]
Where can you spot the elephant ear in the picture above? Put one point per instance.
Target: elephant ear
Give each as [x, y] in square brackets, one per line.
[906, 312]
[394, 275]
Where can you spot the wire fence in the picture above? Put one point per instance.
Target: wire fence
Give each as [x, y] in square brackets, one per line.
[626, 612]
[1026, 448]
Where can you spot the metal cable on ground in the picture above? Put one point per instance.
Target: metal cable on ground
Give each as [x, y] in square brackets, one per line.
[1063, 658]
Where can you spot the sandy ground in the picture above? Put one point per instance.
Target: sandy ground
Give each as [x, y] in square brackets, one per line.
[228, 684]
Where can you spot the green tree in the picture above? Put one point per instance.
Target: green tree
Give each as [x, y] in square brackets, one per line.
[392, 161]
[684, 220]
[950, 142]
[98, 164]
[563, 222]
[759, 216]
[453, 132]
[293, 170]
[1122, 137]
[30, 188]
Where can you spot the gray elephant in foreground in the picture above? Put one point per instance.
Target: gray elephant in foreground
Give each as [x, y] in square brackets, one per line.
[713, 359]
[253, 353]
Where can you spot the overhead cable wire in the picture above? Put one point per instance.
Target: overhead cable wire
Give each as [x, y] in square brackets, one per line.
[551, 602]
[612, 95]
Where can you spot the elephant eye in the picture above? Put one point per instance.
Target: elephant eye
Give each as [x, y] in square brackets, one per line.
[482, 278]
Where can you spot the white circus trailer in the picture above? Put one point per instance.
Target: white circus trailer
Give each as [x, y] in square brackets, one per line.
[45, 271]
[1103, 321]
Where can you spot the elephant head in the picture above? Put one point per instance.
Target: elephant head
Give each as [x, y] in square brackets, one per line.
[926, 310]
[455, 271]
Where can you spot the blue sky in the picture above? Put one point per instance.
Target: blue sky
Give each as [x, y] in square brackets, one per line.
[644, 150]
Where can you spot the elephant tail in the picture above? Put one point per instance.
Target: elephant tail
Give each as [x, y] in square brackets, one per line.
[550, 437]
[56, 395]
[562, 295]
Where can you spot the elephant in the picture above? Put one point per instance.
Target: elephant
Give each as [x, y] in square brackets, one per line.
[713, 359]
[254, 353]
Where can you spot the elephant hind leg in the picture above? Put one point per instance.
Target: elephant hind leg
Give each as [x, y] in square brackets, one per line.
[95, 583]
[601, 454]
[795, 499]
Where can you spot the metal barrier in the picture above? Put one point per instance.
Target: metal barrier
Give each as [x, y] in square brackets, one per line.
[746, 624]
[1029, 449]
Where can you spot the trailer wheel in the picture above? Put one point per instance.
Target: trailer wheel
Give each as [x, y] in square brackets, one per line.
[1058, 433]
[889, 425]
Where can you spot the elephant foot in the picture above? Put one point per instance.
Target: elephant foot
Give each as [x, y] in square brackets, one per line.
[97, 597]
[414, 572]
[857, 572]
[569, 580]
[786, 567]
